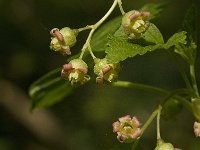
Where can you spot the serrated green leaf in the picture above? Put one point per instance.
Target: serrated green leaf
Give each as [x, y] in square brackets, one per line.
[154, 9]
[99, 39]
[118, 49]
[153, 35]
[49, 89]
[177, 38]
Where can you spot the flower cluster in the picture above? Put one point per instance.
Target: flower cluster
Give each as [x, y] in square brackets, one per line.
[127, 129]
[135, 23]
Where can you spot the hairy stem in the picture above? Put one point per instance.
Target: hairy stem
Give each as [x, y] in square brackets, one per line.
[120, 7]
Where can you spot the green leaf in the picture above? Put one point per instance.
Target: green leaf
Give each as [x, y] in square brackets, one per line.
[119, 49]
[154, 9]
[190, 23]
[153, 35]
[177, 38]
[99, 39]
[49, 89]
[187, 52]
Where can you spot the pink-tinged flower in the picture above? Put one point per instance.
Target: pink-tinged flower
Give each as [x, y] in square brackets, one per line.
[62, 40]
[75, 72]
[127, 129]
[105, 71]
[197, 129]
[135, 23]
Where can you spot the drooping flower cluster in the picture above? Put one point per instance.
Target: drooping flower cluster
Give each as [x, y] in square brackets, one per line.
[135, 23]
[127, 129]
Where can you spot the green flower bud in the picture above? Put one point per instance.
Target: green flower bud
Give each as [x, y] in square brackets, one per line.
[196, 108]
[75, 72]
[63, 39]
[161, 145]
[127, 129]
[135, 23]
[105, 71]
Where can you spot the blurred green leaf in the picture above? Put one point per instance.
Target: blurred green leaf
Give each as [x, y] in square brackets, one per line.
[187, 49]
[99, 39]
[153, 35]
[120, 49]
[187, 52]
[177, 38]
[49, 89]
[154, 9]
[190, 23]
[171, 108]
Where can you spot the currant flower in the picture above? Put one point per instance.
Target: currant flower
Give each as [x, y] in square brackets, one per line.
[135, 23]
[75, 72]
[127, 129]
[161, 145]
[63, 39]
[105, 71]
[197, 129]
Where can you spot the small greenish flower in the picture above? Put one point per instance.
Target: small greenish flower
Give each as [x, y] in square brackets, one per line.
[63, 39]
[127, 129]
[75, 72]
[135, 23]
[161, 145]
[197, 129]
[105, 71]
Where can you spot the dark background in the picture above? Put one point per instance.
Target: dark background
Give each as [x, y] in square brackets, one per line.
[83, 121]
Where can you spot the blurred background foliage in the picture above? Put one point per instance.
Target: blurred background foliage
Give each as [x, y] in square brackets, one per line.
[83, 121]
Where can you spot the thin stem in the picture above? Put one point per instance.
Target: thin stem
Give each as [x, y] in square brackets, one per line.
[126, 84]
[87, 43]
[120, 7]
[85, 28]
[91, 53]
[94, 27]
[193, 78]
[181, 70]
[158, 123]
[146, 125]
[106, 15]
[140, 86]
[177, 92]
